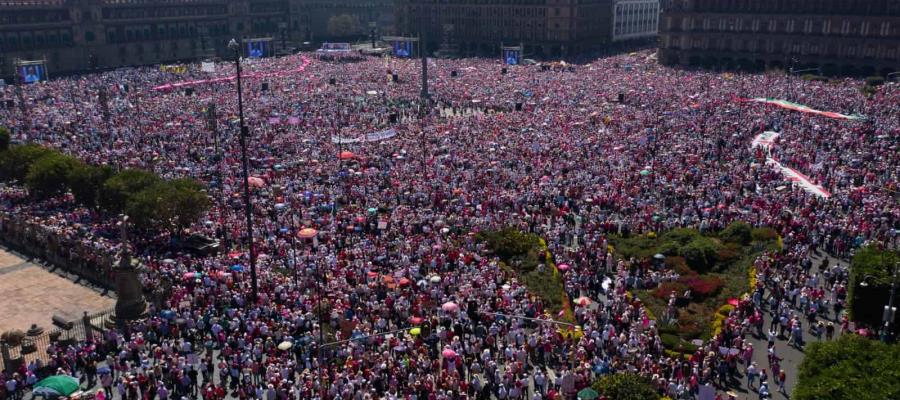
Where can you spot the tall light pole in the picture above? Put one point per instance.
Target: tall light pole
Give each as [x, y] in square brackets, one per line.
[248, 207]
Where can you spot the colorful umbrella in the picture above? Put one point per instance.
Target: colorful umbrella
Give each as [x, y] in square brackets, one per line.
[450, 307]
[307, 233]
[256, 182]
[62, 384]
[237, 268]
[563, 267]
[448, 353]
[415, 320]
[588, 394]
[583, 301]
[404, 282]
[645, 172]
[415, 331]
[285, 345]
[733, 301]
[346, 155]
[191, 275]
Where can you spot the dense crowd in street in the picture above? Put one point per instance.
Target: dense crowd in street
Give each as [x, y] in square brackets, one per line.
[395, 246]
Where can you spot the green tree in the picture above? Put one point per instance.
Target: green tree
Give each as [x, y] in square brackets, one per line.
[86, 182]
[47, 176]
[625, 386]
[873, 266]
[851, 367]
[167, 205]
[15, 161]
[343, 25]
[4, 138]
[119, 188]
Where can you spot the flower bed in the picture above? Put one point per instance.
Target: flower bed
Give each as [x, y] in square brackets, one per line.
[711, 268]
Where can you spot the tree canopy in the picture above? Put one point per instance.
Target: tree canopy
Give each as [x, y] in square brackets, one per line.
[851, 367]
[152, 202]
[874, 266]
[48, 175]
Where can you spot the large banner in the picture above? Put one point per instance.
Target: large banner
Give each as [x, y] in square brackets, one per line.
[766, 140]
[370, 137]
[804, 109]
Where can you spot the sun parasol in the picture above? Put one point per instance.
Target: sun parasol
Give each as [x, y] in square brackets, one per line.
[62, 385]
[450, 307]
[307, 233]
[346, 155]
[285, 345]
[583, 301]
[588, 394]
[256, 182]
[448, 353]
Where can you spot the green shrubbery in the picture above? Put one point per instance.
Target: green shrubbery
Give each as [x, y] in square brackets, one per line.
[625, 386]
[738, 232]
[713, 267]
[153, 203]
[523, 252]
[850, 367]
[763, 234]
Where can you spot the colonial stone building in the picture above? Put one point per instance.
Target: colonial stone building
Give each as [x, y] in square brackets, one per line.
[855, 37]
[546, 28]
[77, 35]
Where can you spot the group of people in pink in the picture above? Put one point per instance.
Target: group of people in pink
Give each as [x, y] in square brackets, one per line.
[389, 221]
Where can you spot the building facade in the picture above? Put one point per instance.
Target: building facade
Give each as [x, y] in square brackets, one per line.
[545, 28]
[79, 35]
[853, 37]
[635, 19]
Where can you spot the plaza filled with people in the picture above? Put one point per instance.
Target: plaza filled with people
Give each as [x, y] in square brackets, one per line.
[613, 146]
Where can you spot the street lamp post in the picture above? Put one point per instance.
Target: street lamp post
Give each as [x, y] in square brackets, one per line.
[248, 207]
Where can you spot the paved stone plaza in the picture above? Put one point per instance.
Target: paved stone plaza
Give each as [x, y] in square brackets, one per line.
[31, 294]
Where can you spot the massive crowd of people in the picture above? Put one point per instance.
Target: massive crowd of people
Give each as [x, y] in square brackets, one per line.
[553, 152]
